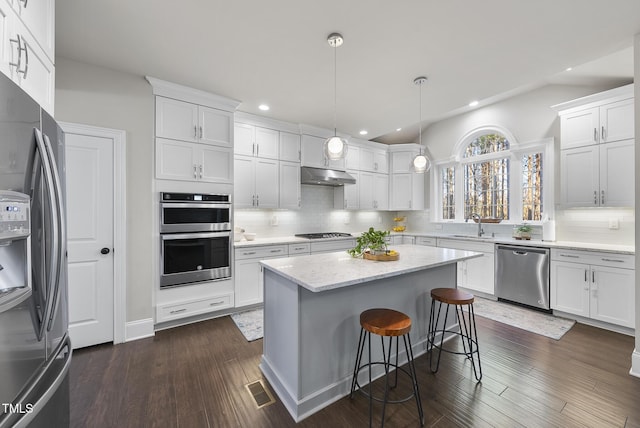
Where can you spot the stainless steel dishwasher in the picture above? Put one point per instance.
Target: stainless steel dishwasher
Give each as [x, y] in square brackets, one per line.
[522, 275]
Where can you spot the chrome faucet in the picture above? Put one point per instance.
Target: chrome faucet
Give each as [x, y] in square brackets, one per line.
[477, 217]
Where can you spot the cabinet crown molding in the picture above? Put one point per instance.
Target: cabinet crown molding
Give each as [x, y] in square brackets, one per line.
[192, 95]
[612, 95]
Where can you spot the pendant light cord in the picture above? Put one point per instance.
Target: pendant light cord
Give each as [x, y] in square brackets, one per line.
[420, 119]
[335, 90]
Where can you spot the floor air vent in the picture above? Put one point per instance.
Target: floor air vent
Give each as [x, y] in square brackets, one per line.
[260, 394]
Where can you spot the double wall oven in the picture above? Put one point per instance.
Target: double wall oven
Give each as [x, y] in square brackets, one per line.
[195, 238]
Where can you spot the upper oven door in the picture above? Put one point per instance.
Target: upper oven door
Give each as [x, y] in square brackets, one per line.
[194, 217]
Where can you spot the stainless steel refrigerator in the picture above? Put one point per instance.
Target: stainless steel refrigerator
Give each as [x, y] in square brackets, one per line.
[35, 351]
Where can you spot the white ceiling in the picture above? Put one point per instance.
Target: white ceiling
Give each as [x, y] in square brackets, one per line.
[276, 52]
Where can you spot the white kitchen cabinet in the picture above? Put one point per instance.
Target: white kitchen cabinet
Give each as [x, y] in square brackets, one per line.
[332, 245]
[406, 192]
[598, 175]
[373, 191]
[256, 141]
[248, 272]
[290, 188]
[300, 249]
[184, 161]
[352, 160]
[192, 307]
[393, 239]
[39, 19]
[474, 274]
[23, 59]
[255, 182]
[289, 147]
[184, 121]
[347, 197]
[312, 155]
[373, 160]
[401, 161]
[600, 286]
[606, 123]
[408, 240]
[426, 241]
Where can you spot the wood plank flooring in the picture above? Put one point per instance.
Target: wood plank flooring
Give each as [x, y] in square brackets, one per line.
[195, 376]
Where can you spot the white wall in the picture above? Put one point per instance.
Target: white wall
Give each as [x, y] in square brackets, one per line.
[529, 117]
[316, 215]
[635, 369]
[101, 97]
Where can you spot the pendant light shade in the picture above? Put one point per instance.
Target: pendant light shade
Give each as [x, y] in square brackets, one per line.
[421, 162]
[335, 147]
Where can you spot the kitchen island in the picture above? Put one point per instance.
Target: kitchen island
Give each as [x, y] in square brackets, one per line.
[312, 306]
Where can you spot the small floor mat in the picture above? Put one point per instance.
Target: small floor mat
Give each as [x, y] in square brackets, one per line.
[250, 323]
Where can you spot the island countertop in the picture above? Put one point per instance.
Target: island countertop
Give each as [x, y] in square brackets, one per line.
[328, 271]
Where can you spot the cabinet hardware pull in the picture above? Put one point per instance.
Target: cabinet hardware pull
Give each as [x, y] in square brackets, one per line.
[257, 200]
[21, 47]
[603, 134]
[200, 171]
[195, 131]
[195, 171]
[253, 200]
[248, 253]
[299, 155]
[276, 251]
[24, 3]
[593, 276]
[253, 148]
[216, 303]
[201, 132]
[257, 149]
[612, 260]
[570, 256]
[595, 134]
[177, 311]
[595, 197]
[585, 276]
[602, 198]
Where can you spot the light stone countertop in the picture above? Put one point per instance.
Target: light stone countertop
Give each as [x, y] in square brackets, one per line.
[328, 271]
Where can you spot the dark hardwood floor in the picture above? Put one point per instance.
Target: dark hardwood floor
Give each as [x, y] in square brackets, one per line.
[195, 376]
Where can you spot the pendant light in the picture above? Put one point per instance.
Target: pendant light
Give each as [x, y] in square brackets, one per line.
[421, 162]
[335, 147]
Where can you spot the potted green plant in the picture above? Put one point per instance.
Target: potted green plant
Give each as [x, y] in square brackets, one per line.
[523, 231]
[372, 241]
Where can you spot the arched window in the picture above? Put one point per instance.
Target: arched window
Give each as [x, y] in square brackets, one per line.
[497, 178]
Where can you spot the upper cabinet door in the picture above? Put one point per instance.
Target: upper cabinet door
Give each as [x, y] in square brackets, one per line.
[38, 17]
[353, 157]
[289, 147]
[579, 182]
[581, 128]
[215, 127]
[177, 120]
[616, 121]
[313, 154]
[616, 174]
[381, 161]
[267, 142]
[244, 139]
[366, 160]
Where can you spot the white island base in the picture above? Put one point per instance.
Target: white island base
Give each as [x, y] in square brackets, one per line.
[310, 337]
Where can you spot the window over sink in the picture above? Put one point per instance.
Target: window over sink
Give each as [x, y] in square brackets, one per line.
[497, 178]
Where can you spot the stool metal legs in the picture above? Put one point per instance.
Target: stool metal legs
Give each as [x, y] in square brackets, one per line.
[468, 334]
[365, 337]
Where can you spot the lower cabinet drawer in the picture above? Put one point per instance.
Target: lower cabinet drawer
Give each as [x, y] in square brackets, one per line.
[173, 311]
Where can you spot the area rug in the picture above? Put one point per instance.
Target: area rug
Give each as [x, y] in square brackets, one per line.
[249, 323]
[526, 319]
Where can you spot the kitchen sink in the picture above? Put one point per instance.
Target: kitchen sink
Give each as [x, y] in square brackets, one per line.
[469, 236]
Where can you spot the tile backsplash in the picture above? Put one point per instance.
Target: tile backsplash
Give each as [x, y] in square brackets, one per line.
[315, 215]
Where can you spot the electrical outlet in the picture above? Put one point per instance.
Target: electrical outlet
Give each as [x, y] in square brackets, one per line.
[274, 220]
[346, 219]
[379, 219]
[614, 224]
[438, 226]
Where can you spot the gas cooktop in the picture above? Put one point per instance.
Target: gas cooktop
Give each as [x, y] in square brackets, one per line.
[322, 235]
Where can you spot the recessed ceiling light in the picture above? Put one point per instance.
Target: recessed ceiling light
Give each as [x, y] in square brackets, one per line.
[263, 107]
[364, 132]
[568, 69]
[474, 103]
[398, 129]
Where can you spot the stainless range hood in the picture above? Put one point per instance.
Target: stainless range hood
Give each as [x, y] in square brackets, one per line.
[325, 177]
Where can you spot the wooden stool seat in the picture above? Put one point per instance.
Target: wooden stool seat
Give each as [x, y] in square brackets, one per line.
[385, 322]
[452, 296]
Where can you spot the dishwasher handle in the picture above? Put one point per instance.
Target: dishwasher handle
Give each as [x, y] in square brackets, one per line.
[522, 250]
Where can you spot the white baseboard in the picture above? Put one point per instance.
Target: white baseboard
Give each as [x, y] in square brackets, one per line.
[139, 329]
[635, 363]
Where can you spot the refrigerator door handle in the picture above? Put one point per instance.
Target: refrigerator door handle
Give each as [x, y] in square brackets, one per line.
[57, 188]
[43, 399]
[53, 252]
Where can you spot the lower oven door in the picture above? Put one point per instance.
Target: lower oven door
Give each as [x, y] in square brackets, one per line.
[193, 257]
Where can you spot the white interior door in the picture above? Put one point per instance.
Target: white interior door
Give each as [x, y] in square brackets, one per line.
[90, 210]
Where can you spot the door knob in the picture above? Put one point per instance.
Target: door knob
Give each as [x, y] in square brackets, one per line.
[105, 250]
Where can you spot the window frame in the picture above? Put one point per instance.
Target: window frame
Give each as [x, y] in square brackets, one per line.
[515, 153]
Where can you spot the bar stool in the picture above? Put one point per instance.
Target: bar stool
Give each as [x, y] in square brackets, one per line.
[467, 327]
[385, 323]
